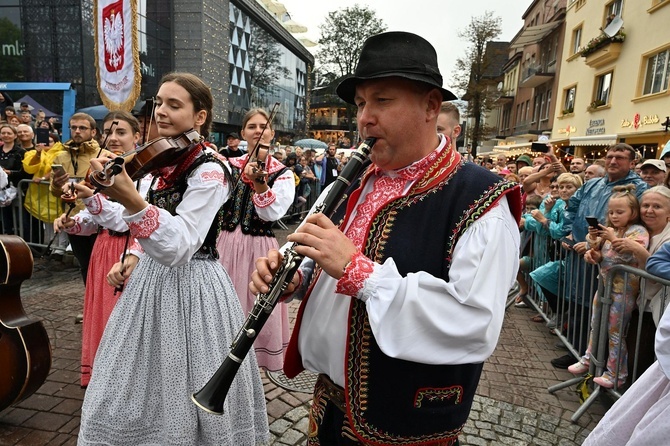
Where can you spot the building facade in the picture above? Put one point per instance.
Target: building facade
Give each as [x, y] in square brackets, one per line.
[527, 103]
[613, 85]
[237, 47]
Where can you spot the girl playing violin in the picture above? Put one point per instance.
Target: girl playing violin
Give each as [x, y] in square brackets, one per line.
[178, 312]
[102, 217]
[263, 195]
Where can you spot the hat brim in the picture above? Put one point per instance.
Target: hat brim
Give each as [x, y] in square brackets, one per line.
[347, 88]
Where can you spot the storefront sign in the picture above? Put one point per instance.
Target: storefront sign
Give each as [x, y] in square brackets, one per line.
[596, 127]
[639, 121]
[12, 49]
[567, 131]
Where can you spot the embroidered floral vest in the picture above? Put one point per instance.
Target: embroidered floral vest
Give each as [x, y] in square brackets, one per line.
[170, 197]
[393, 401]
[240, 210]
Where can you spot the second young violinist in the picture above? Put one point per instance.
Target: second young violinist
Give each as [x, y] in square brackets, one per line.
[103, 217]
[178, 313]
[263, 195]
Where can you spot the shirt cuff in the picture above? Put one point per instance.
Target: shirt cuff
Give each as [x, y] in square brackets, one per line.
[265, 199]
[76, 229]
[355, 274]
[136, 249]
[144, 223]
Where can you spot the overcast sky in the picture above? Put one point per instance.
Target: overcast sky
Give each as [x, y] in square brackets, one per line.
[438, 21]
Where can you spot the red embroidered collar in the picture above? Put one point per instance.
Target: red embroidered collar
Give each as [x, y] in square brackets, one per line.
[418, 168]
[168, 175]
[271, 164]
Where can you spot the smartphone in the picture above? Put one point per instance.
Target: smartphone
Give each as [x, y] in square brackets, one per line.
[593, 222]
[57, 169]
[42, 136]
[539, 147]
[568, 241]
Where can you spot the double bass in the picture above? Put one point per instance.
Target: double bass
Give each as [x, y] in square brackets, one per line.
[25, 351]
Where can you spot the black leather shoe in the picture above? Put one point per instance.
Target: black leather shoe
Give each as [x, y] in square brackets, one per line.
[563, 362]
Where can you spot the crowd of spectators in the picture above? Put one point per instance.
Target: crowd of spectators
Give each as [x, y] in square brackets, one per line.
[559, 198]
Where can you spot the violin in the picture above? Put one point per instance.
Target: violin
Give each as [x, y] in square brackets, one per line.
[25, 351]
[146, 159]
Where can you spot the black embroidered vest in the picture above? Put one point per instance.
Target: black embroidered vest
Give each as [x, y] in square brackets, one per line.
[240, 210]
[170, 197]
[397, 402]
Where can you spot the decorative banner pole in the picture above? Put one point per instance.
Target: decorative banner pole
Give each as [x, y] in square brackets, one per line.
[117, 61]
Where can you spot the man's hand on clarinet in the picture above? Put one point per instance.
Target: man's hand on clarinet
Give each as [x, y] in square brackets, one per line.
[265, 270]
[322, 241]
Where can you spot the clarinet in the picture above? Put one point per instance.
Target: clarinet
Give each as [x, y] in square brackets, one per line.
[212, 396]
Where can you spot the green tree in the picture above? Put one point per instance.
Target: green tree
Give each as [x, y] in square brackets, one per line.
[342, 37]
[11, 47]
[473, 75]
[265, 66]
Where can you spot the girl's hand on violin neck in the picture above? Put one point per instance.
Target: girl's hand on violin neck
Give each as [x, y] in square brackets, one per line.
[83, 191]
[122, 189]
[63, 222]
[121, 271]
[257, 176]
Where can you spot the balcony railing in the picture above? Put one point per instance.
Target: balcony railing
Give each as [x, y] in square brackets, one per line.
[326, 99]
[537, 75]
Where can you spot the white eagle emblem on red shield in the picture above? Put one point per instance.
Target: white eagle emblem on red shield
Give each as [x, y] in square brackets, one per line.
[113, 36]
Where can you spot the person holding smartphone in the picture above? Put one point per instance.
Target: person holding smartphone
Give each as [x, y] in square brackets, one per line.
[539, 182]
[75, 157]
[591, 200]
[39, 203]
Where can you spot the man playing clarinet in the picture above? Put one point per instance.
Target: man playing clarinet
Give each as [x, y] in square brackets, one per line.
[407, 289]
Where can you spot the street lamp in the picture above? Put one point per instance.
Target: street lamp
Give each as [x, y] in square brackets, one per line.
[666, 124]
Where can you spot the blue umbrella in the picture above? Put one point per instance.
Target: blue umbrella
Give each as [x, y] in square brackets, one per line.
[310, 144]
[97, 112]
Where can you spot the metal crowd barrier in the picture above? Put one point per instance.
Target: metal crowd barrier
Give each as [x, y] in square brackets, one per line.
[31, 229]
[599, 357]
[299, 209]
[571, 321]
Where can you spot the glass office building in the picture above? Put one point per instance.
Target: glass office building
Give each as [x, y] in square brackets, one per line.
[53, 41]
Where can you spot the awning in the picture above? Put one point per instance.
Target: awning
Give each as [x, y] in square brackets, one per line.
[534, 34]
[505, 148]
[594, 140]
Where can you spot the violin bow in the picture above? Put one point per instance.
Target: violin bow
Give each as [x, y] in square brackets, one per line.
[146, 127]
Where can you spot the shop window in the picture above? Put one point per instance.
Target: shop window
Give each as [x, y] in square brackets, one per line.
[657, 72]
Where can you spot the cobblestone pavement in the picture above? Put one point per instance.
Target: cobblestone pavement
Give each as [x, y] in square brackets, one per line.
[512, 407]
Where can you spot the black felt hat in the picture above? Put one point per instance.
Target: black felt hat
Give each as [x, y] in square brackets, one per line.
[395, 54]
